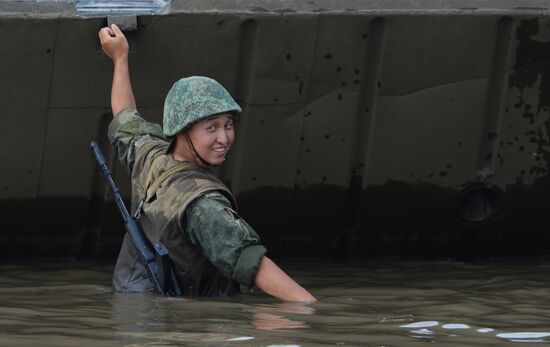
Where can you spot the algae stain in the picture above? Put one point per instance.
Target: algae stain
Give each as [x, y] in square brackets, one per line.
[532, 71]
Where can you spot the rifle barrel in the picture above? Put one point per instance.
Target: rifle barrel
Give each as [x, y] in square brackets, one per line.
[107, 173]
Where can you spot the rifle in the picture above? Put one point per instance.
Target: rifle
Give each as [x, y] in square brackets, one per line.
[154, 258]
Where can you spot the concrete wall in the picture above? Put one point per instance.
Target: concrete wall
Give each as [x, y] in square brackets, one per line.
[361, 135]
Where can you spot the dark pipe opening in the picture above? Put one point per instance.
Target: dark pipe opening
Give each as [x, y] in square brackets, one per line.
[480, 203]
[477, 205]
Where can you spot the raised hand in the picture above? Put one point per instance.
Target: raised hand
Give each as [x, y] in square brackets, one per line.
[114, 43]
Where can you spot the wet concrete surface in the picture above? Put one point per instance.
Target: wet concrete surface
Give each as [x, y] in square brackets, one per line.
[361, 128]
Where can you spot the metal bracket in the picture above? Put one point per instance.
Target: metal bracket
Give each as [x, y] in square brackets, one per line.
[125, 23]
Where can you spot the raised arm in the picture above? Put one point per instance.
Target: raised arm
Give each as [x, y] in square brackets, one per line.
[116, 47]
[274, 281]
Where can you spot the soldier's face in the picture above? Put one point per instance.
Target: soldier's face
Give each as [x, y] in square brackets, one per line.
[213, 137]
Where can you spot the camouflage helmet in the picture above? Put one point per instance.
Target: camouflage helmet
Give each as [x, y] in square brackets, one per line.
[192, 99]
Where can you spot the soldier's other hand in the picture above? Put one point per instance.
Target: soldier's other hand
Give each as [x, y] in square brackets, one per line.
[113, 42]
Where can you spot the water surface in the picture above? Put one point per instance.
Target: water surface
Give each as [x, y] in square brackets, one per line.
[362, 303]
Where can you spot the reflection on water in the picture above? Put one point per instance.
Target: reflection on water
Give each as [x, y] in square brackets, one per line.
[374, 303]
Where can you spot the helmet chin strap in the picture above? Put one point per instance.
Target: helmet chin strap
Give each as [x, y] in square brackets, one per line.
[195, 153]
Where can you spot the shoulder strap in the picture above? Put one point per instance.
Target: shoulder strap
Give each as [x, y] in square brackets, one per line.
[152, 168]
[152, 186]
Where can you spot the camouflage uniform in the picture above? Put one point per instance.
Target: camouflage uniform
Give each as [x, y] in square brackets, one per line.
[193, 214]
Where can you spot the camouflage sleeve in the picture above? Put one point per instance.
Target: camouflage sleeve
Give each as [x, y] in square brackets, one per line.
[128, 132]
[224, 237]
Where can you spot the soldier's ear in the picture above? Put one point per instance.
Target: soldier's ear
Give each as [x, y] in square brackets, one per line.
[182, 139]
[180, 136]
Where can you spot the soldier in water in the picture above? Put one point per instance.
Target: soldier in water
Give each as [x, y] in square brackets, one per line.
[184, 206]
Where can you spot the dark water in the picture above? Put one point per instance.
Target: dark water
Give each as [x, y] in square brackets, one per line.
[362, 303]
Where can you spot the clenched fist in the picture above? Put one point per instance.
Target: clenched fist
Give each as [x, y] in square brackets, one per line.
[114, 43]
